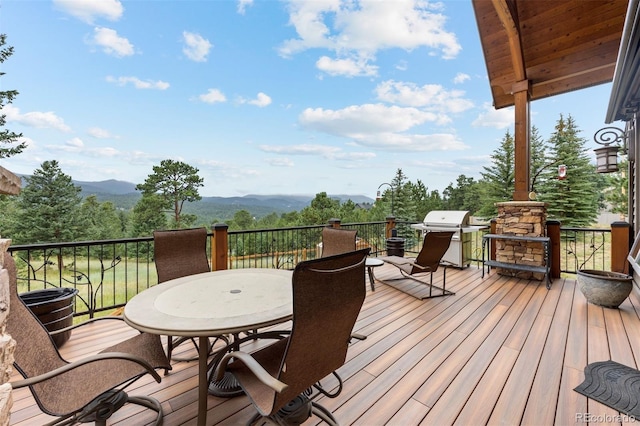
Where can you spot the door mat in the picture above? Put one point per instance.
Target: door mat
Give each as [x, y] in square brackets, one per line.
[614, 385]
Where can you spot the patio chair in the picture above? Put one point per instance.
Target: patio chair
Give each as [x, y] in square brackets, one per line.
[283, 378]
[86, 390]
[434, 247]
[178, 253]
[337, 241]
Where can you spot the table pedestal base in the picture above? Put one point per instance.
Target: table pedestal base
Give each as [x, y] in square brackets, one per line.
[227, 387]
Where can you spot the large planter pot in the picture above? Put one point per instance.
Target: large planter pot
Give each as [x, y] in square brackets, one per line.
[604, 288]
[54, 309]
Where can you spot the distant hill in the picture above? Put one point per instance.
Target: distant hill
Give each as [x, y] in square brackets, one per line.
[124, 196]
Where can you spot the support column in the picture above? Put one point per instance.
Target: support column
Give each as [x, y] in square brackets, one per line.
[521, 94]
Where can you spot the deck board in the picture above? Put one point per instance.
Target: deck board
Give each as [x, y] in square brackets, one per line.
[500, 351]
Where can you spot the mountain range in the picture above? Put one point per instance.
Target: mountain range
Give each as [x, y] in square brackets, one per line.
[124, 196]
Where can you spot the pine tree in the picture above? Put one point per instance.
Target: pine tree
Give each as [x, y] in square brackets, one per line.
[49, 208]
[498, 178]
[6, 97]
[572, 200]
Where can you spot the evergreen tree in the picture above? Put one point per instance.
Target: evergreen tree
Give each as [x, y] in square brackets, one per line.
[6, 97]
[423, 200]
[101, 220]
[498, 178]
[572, 200]
[49, 208]
[464, 196]
[321, 209]
[148, 215]
[404, 207]
[175, 183]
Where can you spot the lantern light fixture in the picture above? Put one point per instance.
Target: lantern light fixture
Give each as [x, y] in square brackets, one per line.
[613, 141]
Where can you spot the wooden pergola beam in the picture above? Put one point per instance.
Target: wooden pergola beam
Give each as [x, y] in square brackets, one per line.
[521, 91]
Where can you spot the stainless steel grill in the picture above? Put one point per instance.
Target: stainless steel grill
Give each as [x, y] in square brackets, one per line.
[459, 253]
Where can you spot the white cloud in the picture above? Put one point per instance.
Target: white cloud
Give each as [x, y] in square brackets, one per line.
[243, 4]
[324, 151]
[280, 162]
[213, 96]
[35, 119]
[89, 11]
[99, 133]
[461, 78]
[261, 100]
[404, 142]
[497, 118]
[361, 29]
[75, 142]
[137, 83]
[302, 149]
[111, 42]
[196, 47]
[433, 97]
[346, 67]
[364, 119]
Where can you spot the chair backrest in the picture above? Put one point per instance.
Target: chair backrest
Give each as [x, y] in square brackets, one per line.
[337, 241]
[434, 246]
[180, 252]
[35, 352]
[327, 297]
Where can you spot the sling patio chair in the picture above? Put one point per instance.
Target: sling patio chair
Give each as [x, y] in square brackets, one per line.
[86, 390]
[434, 247]
[337, 241]
[179, 253]
[283, 379]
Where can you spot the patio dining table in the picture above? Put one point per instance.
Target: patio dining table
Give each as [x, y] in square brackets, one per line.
[212, 304]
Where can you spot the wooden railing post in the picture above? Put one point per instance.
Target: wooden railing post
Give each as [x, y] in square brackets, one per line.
[391, 225]
[553, 232]
[334, 223]
[219, 247]
[620, 245]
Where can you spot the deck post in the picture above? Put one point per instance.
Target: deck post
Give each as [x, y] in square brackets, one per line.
[334, 223]
[219, 247]
[621, 240]
[553, 232]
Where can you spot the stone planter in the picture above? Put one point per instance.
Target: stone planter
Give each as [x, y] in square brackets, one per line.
[604, 288]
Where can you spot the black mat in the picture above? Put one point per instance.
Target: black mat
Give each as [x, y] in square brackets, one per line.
[613, 384]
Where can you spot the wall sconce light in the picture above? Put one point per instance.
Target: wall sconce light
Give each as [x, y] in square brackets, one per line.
[613, 140]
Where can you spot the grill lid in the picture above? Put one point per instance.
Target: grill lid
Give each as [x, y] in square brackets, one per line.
[447, 218]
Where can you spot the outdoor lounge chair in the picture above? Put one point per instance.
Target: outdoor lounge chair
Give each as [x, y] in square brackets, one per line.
[434, 247]
[280, 378]
[178, 253]
[337, 241]
[85, 390]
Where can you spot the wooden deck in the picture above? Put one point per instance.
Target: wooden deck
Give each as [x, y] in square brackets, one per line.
[500, 351]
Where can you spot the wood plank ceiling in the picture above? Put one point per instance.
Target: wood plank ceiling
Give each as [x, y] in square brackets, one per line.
[556, 45]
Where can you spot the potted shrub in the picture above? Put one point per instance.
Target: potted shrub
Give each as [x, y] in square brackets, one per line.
[604, 288]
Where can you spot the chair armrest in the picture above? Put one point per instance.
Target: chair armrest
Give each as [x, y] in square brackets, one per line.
[253, 365]
[94, 358]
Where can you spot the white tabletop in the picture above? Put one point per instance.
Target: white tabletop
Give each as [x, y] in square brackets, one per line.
[213, 303]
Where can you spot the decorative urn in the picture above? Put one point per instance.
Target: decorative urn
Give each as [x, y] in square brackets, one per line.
[604, 288]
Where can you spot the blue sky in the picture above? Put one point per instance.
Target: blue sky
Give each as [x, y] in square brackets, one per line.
[262, 96]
